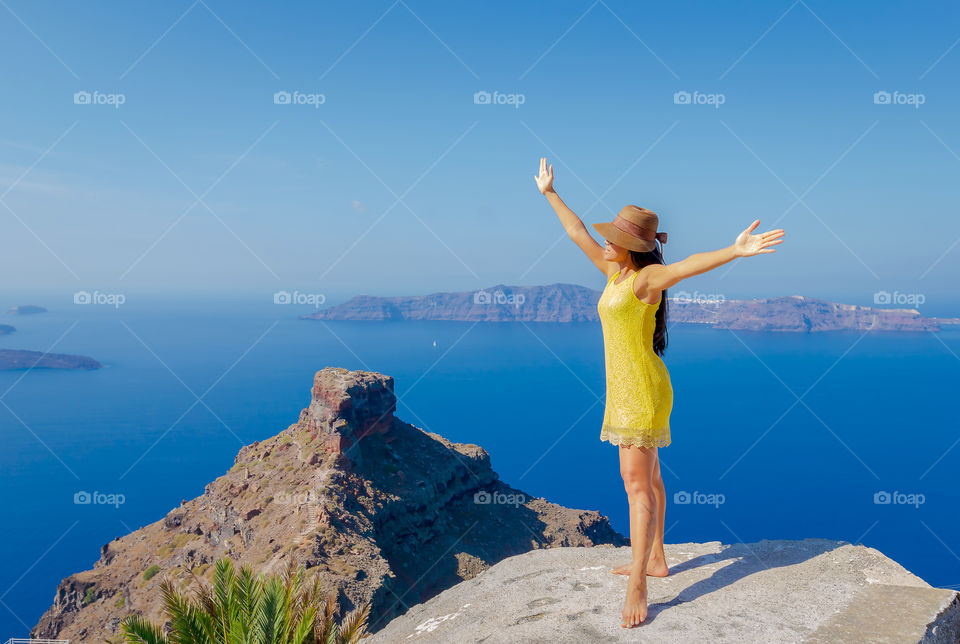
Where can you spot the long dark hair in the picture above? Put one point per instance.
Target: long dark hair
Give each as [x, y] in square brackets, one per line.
[641, 259]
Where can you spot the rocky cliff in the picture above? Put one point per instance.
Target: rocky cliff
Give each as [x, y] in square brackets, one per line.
[572, 303]
[553, 303]
[813, 591]
[380, 510]
[797, 313]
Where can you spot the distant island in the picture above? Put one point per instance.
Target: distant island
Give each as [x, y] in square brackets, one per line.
[574, 303]
[26, 309]
[6, 329]
[11, 359]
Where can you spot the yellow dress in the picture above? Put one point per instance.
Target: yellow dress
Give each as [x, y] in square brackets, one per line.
[639, 394]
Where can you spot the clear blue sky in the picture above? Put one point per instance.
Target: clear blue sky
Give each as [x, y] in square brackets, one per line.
[305, 197]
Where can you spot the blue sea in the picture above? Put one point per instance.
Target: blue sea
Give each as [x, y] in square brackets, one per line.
[777, 436]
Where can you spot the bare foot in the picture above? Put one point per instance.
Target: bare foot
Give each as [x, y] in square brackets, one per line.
[635, 604]
[656, 566]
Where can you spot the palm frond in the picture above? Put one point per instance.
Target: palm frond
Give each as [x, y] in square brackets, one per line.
[223, 585]
[137, 630]
[326, 630]
[354, 625]
[303, 633]
[268, 613]
[240, 607]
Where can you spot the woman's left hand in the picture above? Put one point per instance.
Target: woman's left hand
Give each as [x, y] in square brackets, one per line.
[748, 245]
[545, 178]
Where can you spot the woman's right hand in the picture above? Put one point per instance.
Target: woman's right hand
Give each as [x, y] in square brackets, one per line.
[748, 245]
[545, 178]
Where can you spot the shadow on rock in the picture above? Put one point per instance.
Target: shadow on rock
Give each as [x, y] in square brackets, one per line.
[746, 562]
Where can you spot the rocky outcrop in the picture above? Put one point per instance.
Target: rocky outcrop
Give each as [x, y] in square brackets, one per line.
[377, 509]
[18, 359]
[813, 591]
[572, 303]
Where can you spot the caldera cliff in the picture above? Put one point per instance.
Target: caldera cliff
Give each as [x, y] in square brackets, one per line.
[574, 303]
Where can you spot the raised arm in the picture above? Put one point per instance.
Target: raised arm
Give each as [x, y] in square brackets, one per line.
[663, 276]
[571, 222]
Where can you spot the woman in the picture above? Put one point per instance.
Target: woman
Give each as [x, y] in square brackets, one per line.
[633, 314]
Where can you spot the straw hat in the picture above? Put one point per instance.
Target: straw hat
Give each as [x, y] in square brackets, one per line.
[634, 228]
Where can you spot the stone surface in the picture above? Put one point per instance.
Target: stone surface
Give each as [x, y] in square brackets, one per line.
[809, 591]
[378, 510]
[574, 303]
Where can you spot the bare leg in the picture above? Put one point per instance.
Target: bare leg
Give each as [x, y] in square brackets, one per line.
[636, 468]
[657, 564]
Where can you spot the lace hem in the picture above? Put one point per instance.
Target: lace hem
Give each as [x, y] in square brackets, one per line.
[661, 438]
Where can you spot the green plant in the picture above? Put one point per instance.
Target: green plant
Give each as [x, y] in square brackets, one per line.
[121, 600]
[90, 595]
[150, 572]
[241, 607]
[164, 551]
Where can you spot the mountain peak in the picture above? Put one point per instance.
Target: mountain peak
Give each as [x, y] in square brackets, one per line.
[372, 506]
[346, 406]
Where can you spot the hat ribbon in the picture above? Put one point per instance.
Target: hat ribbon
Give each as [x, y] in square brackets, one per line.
[631, 228]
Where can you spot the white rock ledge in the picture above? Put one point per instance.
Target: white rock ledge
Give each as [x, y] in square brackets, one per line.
[814, 590]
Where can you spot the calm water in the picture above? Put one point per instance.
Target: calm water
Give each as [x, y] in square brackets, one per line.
[876, 414]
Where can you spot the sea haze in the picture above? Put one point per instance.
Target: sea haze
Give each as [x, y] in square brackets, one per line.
[875, 415]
